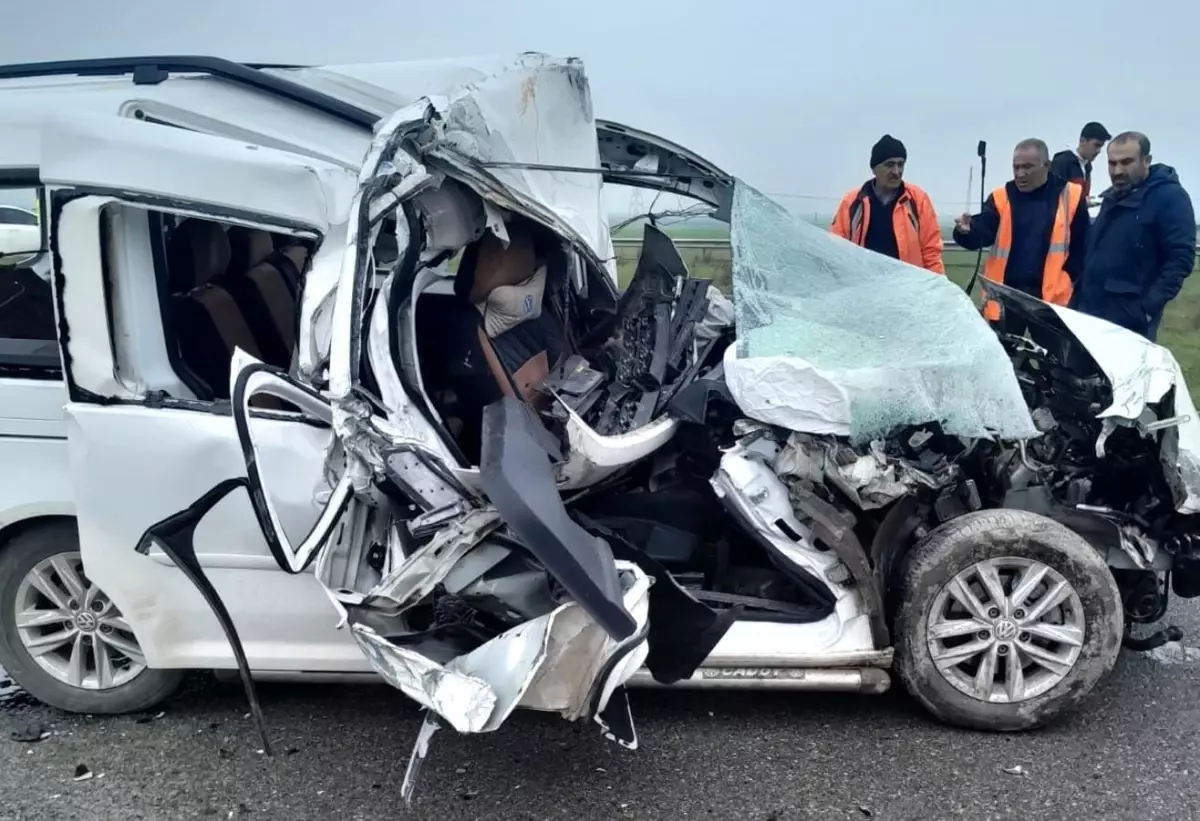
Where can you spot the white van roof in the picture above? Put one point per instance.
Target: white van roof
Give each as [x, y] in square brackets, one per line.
[325, 112]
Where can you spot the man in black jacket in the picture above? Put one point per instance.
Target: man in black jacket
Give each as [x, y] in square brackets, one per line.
[1143, 244]
[1076, 166]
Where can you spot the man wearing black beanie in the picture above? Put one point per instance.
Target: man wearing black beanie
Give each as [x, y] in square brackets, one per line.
[888, 215]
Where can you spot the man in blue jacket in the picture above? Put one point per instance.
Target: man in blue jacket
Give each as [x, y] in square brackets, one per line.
[1143, 243]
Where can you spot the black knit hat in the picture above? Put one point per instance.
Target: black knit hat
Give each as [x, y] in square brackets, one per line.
[888, 148]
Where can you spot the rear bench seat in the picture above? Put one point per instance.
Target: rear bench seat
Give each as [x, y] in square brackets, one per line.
[222, 300]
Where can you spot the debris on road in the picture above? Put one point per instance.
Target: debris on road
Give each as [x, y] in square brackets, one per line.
[30, 734]
[1017, 770]
[82, 773]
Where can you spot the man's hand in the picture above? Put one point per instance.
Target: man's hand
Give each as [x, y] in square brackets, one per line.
[963, 224]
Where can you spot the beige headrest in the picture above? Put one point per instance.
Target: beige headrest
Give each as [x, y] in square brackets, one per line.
[497, 265]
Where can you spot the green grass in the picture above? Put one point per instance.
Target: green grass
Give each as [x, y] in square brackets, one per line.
[1180, 330]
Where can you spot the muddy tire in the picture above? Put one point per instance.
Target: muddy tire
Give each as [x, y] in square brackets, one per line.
[125, 687]
[1006, 620]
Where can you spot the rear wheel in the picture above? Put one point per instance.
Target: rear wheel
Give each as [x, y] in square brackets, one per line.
[62, 639]
[1006, 620]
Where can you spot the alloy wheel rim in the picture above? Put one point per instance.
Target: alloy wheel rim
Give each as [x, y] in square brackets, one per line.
[72, 630]
[1006, 630]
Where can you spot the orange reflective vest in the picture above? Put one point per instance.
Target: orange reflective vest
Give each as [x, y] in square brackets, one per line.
[1056, 283]
[918, 237]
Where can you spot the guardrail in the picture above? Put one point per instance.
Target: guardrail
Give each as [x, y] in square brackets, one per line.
[718, 242]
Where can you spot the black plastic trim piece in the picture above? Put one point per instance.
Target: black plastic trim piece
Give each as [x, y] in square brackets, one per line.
[20, 177]
[516, 474]
[682, 630]
[176, 536]
[27, 437]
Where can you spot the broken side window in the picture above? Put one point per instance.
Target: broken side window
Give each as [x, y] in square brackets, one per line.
[217, 287]
[28, 336]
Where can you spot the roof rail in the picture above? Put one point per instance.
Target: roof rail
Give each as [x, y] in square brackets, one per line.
[153, 70]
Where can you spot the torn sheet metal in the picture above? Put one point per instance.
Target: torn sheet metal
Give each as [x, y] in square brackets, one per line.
[626, 153]
[871, 479]
[1141, 373]
[537, 112]
[425, 569]
[551, 663]
[835, 339]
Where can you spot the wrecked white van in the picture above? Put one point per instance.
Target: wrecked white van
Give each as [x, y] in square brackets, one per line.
[389, 414]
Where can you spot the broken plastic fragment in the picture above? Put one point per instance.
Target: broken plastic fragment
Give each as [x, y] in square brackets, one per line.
[421, 749]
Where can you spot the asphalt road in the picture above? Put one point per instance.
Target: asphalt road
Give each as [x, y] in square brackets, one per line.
[1132, 753]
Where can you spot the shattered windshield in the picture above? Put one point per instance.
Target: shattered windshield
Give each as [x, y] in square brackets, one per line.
[851, 342]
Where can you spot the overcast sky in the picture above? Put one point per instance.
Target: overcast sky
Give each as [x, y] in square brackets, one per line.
[789, 96]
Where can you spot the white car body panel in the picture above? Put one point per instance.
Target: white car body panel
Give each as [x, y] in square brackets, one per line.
[37, 480]
[132, 464]
[124, 155]
[120, 453]
[165, 457]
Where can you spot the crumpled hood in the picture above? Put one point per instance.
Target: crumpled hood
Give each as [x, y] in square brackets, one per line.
[834, 339]
[1139, 373]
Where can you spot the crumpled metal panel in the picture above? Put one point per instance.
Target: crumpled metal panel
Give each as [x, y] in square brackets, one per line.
[1141, 373]
[552, 662]
[465, 702]
[834, 339]
[871, 480]
[506, 132]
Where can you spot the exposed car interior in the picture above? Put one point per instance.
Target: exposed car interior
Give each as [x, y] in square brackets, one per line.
[226, 287]
[28, 336]
[510, 321]
[494, 330]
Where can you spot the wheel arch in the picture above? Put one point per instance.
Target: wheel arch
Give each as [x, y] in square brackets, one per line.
[19, 527]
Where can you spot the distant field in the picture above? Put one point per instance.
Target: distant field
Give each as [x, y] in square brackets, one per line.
[1180, 331]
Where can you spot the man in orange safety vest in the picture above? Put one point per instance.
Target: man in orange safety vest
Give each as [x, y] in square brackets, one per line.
[1036, 225]
[889, 215]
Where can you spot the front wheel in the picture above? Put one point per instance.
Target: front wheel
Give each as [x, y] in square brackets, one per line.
[62, 639]
[1006, 620]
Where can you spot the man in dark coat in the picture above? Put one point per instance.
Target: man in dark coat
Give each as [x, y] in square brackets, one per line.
[1143, 243]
